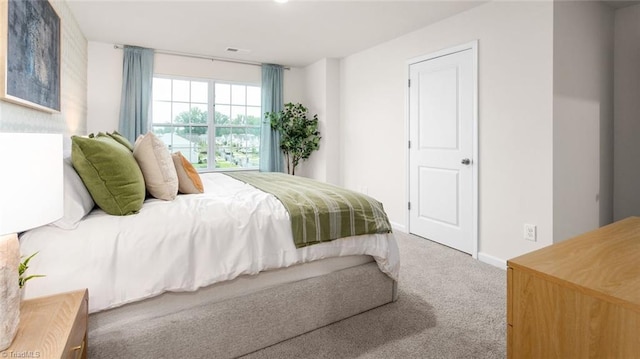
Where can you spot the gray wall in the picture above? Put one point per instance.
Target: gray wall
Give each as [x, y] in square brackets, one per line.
[582, 117]
[627, 113]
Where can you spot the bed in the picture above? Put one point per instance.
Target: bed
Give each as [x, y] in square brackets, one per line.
[217, 273]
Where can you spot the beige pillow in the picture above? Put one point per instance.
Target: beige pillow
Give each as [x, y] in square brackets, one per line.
[189, 181]
[157, 167]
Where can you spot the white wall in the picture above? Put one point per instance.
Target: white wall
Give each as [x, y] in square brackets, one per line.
[104, 87]
[72, 117]
[315, 101]
[582, 117]
[294, 85]
[105, 80]
[322, 97]
[627, 112]
[333, 131]
[515, 119]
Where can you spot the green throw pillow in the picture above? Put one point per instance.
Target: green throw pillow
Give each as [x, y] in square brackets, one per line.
[121, 139]
[110, 173]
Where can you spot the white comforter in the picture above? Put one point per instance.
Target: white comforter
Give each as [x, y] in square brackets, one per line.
[194, 241]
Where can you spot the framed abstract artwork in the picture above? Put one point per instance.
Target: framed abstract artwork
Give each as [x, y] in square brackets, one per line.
[30, 54]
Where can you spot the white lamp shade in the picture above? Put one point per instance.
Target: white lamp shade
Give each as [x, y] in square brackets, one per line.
[31, 189]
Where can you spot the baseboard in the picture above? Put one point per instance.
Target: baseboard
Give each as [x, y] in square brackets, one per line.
[494, 261]
[399, 227]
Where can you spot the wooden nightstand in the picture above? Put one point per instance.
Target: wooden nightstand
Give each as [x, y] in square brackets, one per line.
[52, 327]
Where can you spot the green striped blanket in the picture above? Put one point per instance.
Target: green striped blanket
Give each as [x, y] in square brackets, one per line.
[320, 212]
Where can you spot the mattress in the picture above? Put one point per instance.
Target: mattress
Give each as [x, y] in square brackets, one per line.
[231, 230]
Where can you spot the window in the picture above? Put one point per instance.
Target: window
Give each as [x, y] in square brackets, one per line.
[183, 120]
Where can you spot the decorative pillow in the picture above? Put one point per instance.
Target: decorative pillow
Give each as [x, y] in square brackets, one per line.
[157, 166]
[77, 200]
[121, 140]
[189, 181]
[110, 173]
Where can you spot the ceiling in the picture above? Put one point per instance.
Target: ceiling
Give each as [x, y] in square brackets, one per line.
[296, 33]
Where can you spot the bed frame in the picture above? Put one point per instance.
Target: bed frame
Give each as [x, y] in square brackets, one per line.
[239, 325]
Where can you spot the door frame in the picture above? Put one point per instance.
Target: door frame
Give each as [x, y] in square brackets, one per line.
[473, 46]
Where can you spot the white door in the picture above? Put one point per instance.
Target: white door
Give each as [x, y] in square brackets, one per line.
[442, 94]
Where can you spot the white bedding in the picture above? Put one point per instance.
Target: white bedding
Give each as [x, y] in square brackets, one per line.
[194, 241]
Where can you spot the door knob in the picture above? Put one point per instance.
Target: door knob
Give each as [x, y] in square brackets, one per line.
[465, 161]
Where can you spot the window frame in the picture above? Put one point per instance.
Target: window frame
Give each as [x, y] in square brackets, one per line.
[211, 123]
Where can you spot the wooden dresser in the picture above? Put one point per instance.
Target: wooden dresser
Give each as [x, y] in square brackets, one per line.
[51, 327]
[579, 298]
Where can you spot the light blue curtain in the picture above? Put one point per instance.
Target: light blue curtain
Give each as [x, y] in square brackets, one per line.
[137, 80]
[271, 158]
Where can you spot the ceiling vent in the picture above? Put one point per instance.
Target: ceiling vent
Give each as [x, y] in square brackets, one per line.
[235, 49]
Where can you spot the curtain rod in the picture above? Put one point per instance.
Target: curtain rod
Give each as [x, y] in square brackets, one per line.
[203, 57]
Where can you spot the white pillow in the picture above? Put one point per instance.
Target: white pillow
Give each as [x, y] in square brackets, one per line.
[157, 166]
[77, 200]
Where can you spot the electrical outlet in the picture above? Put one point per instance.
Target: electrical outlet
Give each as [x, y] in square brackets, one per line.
[530, 232]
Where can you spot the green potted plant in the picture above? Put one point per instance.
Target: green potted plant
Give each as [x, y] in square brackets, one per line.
[299, 135]
[22, 268]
